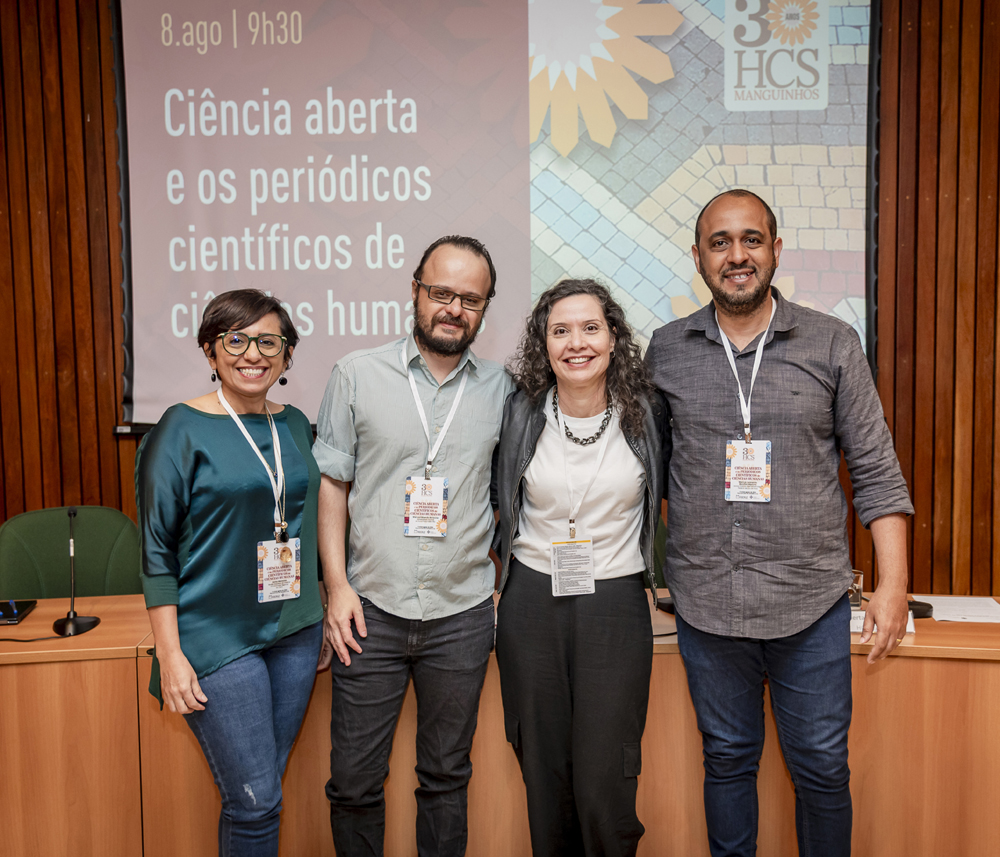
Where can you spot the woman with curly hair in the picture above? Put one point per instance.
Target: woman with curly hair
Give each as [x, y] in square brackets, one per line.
[578, 478]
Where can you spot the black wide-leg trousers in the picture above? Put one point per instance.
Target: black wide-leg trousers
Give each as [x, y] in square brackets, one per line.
[574, 675]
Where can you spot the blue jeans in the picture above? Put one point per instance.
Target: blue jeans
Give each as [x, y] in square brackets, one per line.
[254, 710]
[809, 674]
[447, 659]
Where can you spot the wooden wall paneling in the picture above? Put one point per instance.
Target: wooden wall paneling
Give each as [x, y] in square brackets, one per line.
[922, 484]
[944, 340]
[965, 302]
[995, 526]
[993, 13]
[11, 475]
[41, 240]
[986, 306]
[62, 288]
[21, 279]
[79, 246]
[887, 224]
[888, 175]
[906, 242]
[100, 268]
[126, 446]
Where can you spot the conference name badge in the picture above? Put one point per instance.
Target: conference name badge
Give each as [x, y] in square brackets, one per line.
[425, 511]
[573, 567]
[279, 575]
[748, 471]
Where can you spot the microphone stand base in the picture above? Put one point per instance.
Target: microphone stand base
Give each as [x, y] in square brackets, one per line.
[71, 626]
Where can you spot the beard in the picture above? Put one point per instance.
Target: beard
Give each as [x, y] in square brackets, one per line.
[441, 344]
[744, 301]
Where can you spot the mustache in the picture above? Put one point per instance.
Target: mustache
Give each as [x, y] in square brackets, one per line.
[751, 268]
[449, 319]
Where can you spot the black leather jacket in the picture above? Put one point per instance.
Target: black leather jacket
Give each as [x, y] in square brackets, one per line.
[521, 428]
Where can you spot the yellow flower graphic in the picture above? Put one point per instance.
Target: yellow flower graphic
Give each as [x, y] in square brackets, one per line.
[730, 451]
[578, 56]
[765, 491]
[792, 21]
[442, 526]
[410, 486]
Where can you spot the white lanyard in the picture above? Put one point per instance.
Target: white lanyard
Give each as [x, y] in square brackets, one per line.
[276, 484]
[575, 507]
[745, 402]
[423, 417]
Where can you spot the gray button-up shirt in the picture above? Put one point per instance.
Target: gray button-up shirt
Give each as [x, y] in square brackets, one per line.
[369, 434]
[767, 570]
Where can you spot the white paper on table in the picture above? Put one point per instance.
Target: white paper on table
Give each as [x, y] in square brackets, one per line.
[858, 622]
[962, 608]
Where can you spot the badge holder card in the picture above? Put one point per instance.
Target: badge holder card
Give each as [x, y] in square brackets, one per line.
[748, 471]
[425, 511]
[279, 573]
[573, 567]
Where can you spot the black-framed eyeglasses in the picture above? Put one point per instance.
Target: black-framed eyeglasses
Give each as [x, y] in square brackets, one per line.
[441, 295]
[236, 343]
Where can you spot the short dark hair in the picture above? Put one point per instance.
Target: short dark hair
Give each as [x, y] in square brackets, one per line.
[240, 308]
[772, 221]
[463, 242]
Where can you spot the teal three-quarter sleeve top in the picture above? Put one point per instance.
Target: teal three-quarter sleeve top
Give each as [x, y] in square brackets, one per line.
[204, 502]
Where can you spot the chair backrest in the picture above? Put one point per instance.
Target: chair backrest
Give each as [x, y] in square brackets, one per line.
[34, 554]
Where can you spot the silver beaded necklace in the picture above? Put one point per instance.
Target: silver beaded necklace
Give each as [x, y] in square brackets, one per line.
[582, 441]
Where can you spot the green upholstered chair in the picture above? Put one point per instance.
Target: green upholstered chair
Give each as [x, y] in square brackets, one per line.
[34, 554]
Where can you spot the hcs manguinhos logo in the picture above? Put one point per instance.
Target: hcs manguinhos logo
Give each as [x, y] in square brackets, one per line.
[777, 55]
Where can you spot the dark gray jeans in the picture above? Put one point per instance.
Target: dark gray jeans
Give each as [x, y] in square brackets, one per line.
[447, 659]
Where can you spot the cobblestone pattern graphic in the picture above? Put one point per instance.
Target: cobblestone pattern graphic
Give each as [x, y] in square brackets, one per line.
[625, 214]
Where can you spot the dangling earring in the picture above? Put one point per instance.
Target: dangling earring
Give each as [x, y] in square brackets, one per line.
[214, 379]
[282, 380]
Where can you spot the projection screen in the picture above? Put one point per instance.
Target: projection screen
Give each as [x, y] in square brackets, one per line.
[313, 149]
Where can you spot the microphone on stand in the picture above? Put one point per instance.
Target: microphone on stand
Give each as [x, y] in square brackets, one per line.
[73, 624]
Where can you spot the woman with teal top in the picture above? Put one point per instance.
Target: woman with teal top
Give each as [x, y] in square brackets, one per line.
[227, 488]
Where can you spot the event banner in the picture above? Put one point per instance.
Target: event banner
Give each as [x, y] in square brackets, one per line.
[315, 151]
[640, 116]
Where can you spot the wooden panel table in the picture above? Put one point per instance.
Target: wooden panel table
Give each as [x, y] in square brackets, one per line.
[69, 732]
[925, 756]
[924, 751]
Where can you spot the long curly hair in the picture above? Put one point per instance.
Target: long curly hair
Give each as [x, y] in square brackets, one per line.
[627, 383]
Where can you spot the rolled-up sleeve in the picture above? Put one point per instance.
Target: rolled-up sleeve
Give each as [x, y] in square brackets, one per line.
[879, 487]
[336, 439]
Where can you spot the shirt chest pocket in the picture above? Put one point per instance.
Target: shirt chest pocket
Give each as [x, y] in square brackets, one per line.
[801, 403]
[477, 438]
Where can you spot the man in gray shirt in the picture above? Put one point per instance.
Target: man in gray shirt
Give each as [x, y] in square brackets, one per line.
[764, 395]
[410, 427]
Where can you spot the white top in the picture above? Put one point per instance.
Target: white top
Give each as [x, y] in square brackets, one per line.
[612, 509]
